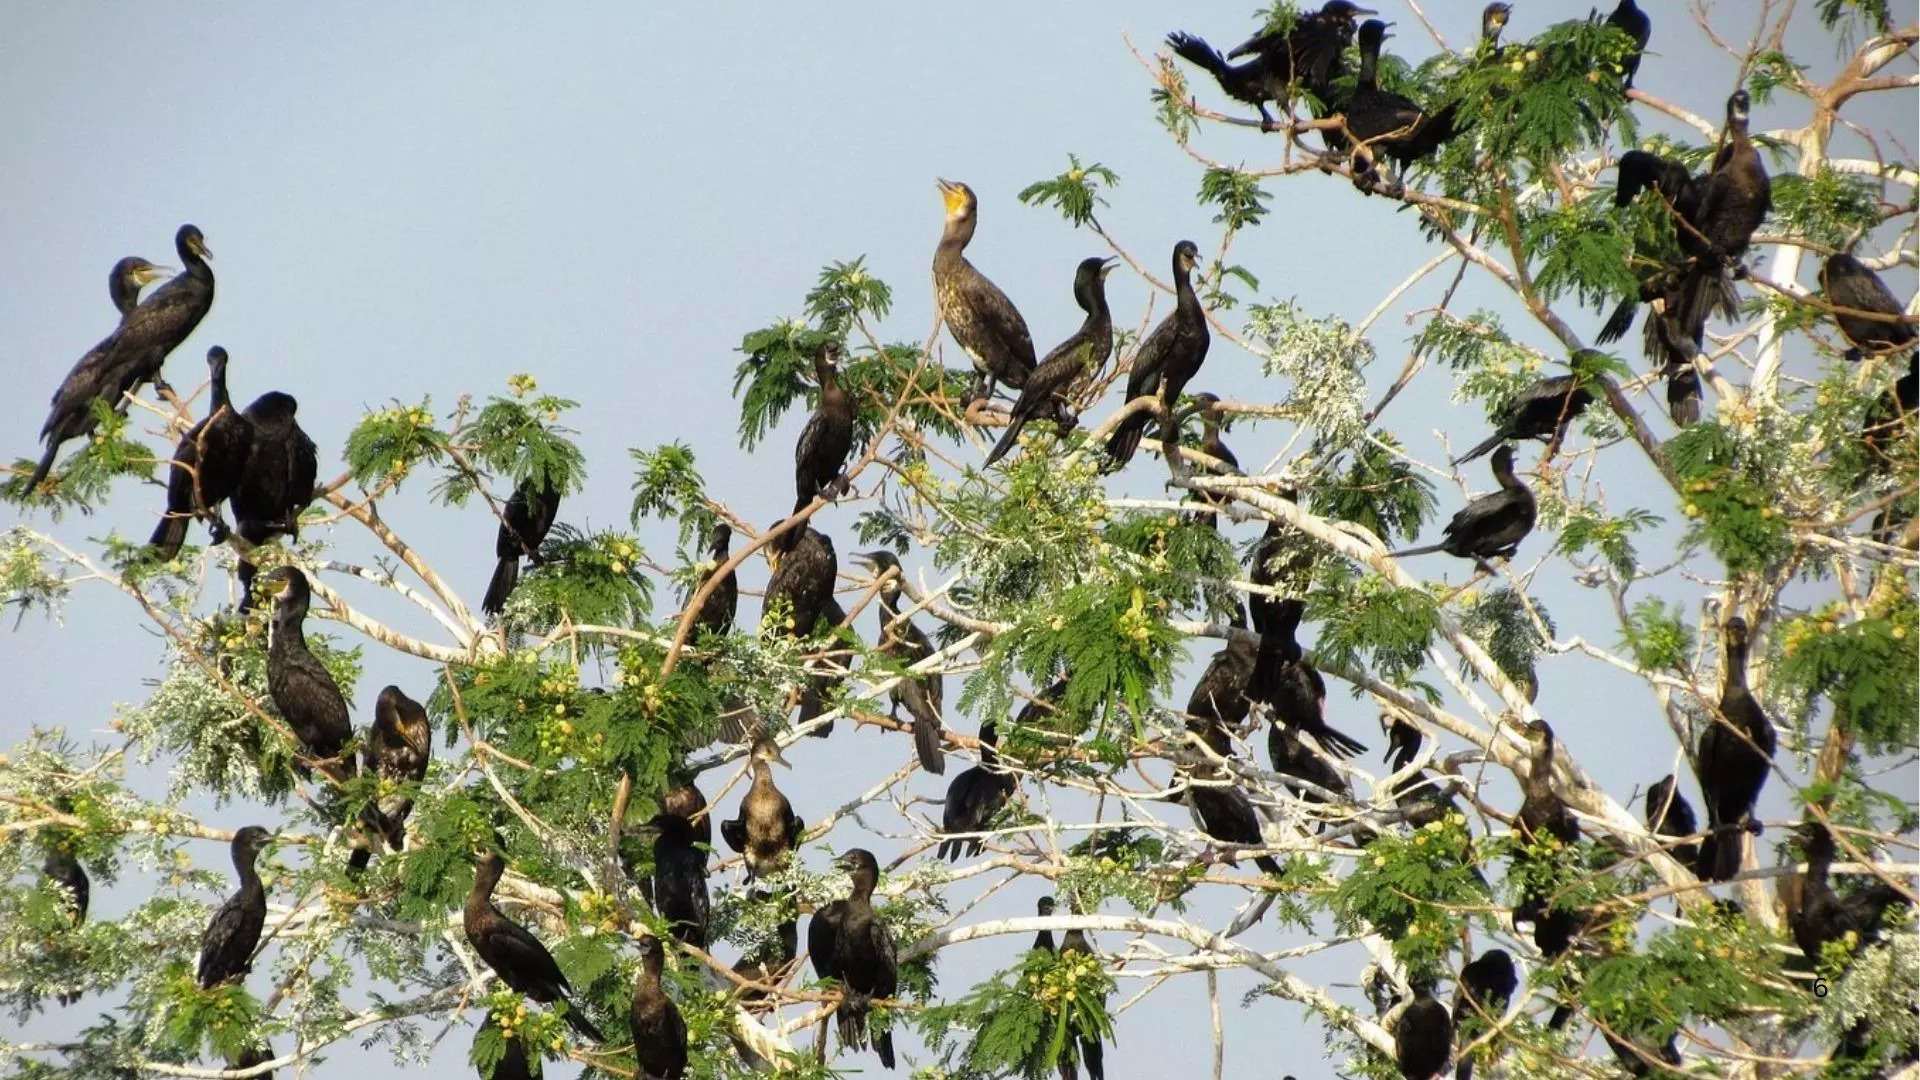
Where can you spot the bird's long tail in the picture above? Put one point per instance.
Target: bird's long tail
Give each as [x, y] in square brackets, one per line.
[506, 575]
[1484, 447]
[41, 470]
[926, 742]
[1267, 863]
[1091, 1055]
[1126, 438]
[1404, 552]
[577, 1020]
[1007, 440]
[169, 535]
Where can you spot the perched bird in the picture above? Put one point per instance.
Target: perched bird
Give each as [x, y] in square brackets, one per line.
[302, 688]
[1670, 815]
[1419, 795]
[1091, 1051]
[1631, 21]
[974, 797]
[820, 456]
[134, 353]
[515, 955]
[399, 744]
[717, 610]
[1847, 283]
[1305, 56]
[1888, 423]
[678, 888]
[515, 1063]
[207, 465]
[1491, 526]
[1423, 1037]
[659, 1032]
[1543, 813]
[829, 665]
[65, 871]
[1389, 122]
[907, 645]
[524, 525]
[1681, 192]
[1541, 411]
[983, 321]
[803, 577]
[1735, 754]
[1485, 987]
[1224, 811]
[847, 941]
[1255, 82]
[278, 482]
[770, 965]
[766, 828]
[1220, 697]
[1824, 915]
[1282, 560]
[1214, 447]
[226, 947]
[1087, 349]
[1170, 356]
[1291, 686]
[1292, 757]
[1638, 1061]
[685, 800]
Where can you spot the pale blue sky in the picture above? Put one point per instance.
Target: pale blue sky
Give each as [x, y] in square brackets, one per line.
[427, 199]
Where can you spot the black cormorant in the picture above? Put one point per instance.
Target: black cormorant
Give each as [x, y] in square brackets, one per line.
[97, 374]
[1735, 755]
[1492, 525]
[1543, 813]
[1224, 811]
[1888, 423]
[803, 576]
[226, 948]
[1220, 697]
[1541, 411]
[906, 644]
[686, 800]
[1847, 283]
[1639, 1061]
[1485, 986]
[1291, 686]
[1306, 54]
[1423, 1037]
[515, 955]
[303, 690]
[857, 949]
[829, 666]
[659, 1032]
[1824, 915]
[981, 318]
[135, 351]
[1255, 82]
[1291, 757]
[1390, 123]
[398, 745]
[679, 885]
[1091, 1049]
[278, 482]
[1214, 447]
[1670, 816]
[514, 1064]
[1681, 191]
[1087, 350]
[1282, 560]
[974, 797]
[64, 870]
[524, 524]
[717, 610]
[766, 828]
[820, 455]
[207, 465]
[1164, 362]
[1633, 22]
[1419, 795]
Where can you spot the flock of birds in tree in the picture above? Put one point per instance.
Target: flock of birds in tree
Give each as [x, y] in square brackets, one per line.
[260, 464]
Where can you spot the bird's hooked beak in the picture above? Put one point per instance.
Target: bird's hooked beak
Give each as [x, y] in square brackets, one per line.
[953, 193]
[844, 862]
[774, 755]
[201, 249]
[1109, 266]
[151, 273]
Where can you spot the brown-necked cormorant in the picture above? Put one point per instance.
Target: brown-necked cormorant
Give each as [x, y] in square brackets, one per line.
[524, 525]
[1291, 686]
[1543, 813]
[1165, 361]
[1220, 697]
[1541, 411]
[515, 955]
[803, 576]
[1485, 986]
[399, 743]
[1735, 755]
[820, 455]
[1824, 915]
[135, 351]
[97, 373]
[1423, 1037]
[983, 321]
[766, 828]
[1045, 394]
[1223, 809]
[1491, 526]
[278, 482]
[1670, 816]
[226, 948]
[62, 869]
[1388, 122]
[974, 797]
[659, 1032]
[717, 610]
[847, 941]
[302, 689]
[906, 644]
[1633, 22]
[1846, 282]
[678, 887]
[207, 465]
[1214, 447]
